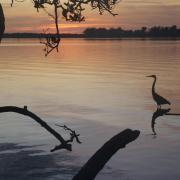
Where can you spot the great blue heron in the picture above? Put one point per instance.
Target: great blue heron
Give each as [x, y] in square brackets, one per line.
[157, 98]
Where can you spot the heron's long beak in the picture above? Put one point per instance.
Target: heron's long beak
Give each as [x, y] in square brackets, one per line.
[148, 76]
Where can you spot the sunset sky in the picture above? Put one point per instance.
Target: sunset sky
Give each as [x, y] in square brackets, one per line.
[132, 14]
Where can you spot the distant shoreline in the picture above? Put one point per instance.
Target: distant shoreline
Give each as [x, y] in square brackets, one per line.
[155, 32]
[104, 38]
[12, 36]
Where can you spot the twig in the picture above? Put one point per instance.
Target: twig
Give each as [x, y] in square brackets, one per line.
[73, 134]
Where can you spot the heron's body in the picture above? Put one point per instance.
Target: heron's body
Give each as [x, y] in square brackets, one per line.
[157, 98]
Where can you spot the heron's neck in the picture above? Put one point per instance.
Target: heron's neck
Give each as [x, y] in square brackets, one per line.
[153, 86]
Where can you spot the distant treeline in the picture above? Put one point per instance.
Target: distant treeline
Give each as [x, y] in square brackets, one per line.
[38, 35]
[156, 31]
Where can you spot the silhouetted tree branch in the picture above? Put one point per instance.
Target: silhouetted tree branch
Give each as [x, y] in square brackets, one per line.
[71, 10]
[64, 144]
[102, 156]
[2, 22]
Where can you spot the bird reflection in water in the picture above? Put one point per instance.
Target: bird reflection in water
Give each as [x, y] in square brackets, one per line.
[159, 112]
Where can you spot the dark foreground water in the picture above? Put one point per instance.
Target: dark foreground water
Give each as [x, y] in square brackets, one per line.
[99, 88]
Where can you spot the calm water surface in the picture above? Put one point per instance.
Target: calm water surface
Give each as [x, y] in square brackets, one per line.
[99, 88]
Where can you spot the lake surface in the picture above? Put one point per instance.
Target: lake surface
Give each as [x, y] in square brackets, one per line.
[98, 88]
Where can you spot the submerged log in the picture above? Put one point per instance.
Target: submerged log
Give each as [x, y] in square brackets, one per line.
[102, 156]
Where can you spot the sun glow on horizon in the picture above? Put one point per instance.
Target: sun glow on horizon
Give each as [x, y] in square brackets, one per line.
[132, 14]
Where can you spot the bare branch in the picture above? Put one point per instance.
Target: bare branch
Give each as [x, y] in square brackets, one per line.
[71, 10]
[64, 144]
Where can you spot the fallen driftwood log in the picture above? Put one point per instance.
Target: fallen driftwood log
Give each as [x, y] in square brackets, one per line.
[102, 156]
[64, 144]
[98, 160]
[2, 22]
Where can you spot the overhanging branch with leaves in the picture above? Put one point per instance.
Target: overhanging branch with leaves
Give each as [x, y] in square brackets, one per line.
[70, 10]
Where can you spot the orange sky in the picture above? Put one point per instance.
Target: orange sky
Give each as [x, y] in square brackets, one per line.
[22, 17]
